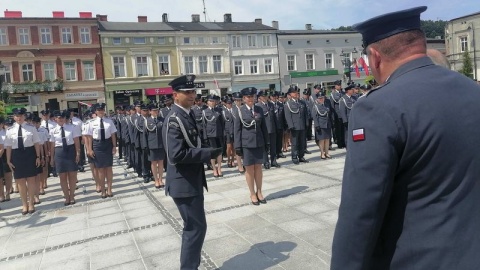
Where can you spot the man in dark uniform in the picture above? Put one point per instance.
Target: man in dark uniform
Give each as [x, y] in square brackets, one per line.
[136, 138]
[126, 135]
[411, 180]
[168, 105]
[346, 104]
[295, 114]
[279, 123]
[271, 122]
[335, 97]
[306, 98]
[186, 175]
[117, 121]
[141, 129]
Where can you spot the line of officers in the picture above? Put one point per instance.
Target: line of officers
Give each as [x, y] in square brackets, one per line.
[290, 120]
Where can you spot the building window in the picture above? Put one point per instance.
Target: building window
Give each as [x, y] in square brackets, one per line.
[116, 41]
[236, 42]
[163, 65]
[238, 67]
[217, 63]
[268, 65]
[253, 67]
[328, 61]
[46, 35]
[289, 42]
[188, 62]
[3, 36]
[119, 66]
[463, 44]
[267, 41]
[88, 71]
[67, 35]
[24, 36]
[310, 61]
[291, 63]
[85, 35]
[70, 71]
[215, 40]
[186, 40]
[161, 40]
[203, 64]
[139, 40]
[201, 40]
[27, 72]
[7, 76]
[142, 66]
[49, 71]
[252, 41]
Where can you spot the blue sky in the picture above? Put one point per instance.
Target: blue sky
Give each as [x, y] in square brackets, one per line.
[291, 14]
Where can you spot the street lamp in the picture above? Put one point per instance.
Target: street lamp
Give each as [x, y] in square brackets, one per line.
[347, 63]
[2, 74]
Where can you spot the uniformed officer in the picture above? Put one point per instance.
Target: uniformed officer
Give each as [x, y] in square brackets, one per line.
[48, 123]
[117, 120]
[271, 122]
[365, 88]
[65, 147]
[346, 104]
[156, 152]
[296, 121]
[227, 115]
[237, 103]
[251, 142]
[168, 101]
[41, 170]
[321, 113]
[88, 117]
[307, 93]
[23, 157]
[131, 135]
[186, 174]
[335, 97]
[283, 98]
[135, 135]
[213, 130]
[6, 188]
[411, 179]
[101, 131]
[126, 135]
[279, 123]
[78, 122]
[141, 129]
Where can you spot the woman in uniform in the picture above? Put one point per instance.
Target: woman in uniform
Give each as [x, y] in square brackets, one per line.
[23, 157]
[89, 116]
[7, 173]
[227, 114]
[286, 133]
[65, 146]
[323, 124]
[251, 141]
[156, 152]
[213, 131]
[43, 135]
[237, 99]
[101, 132]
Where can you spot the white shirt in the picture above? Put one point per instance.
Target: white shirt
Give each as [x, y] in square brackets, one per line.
[71, 132]
[76, 121]
[85, 127]
[51, 124]
[43, 135]
[29, 135]
[93, 128]
[3, 132]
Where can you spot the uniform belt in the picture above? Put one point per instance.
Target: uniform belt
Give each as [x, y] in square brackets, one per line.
[62, 146]
[106, 139]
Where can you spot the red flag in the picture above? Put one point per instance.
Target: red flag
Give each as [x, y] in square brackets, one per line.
[357, 71]
[364, 65]
[86, 104]
[216, 83]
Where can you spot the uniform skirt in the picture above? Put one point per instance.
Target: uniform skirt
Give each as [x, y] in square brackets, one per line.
[65, 159]
[228, 138]
[156, 154]
[215, 142]
[5, 167]
[324, 134]
[252, 156]
[24, 162]
[103, 153]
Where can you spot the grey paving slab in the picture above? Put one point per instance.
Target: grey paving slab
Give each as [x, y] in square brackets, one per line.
[218, 230]
[115, 256]
[112, 227]
[298, 226]
[67, 237]
[106, 219]
[61, 228]
[30, 262]
[140, 212]
[330, 217]
[229, 215]
[137, 264]
[283, 215]
[159, 245]
[315, 207]
[74, 263]
[165, 261]
[99, 246]
[105, 210]
[246, 223]
[65, 255]
[145, 220]
[253, 258]
[16, 247]
[153, 233]
[228, 246]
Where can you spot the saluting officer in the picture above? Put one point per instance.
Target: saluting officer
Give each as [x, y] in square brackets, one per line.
[213, 131]
[23, 157]
[101, 131]
[346, 104]
[271, 122]
[335, 97]
[296, 121]
[186, 175]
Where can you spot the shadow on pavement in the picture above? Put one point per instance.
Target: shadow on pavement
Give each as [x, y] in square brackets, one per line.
[261, 256]
[286, 192]
[35, 221]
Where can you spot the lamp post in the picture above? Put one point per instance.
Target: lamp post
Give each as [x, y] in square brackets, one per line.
[347, 63]
[2, 76]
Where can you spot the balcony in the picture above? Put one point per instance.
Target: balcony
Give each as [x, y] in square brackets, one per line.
[33, 87]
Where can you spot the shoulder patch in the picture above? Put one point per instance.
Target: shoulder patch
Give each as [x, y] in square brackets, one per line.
[173, 124]
[10, 128]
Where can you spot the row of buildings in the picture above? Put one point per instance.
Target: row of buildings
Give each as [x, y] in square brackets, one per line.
[62, 62]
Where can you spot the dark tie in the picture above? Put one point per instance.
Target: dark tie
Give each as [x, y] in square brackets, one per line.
[47, 125]
[20, 138]
[64, 140]
[251, 110]
[102, 130]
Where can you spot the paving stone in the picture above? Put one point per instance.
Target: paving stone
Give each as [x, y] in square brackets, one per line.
[166, 261]
[219, 230]
[283, 215]
[112, 227]
[67, 237]
[115, 256]
[145, 220]
[75, 262]
[153, 233]
[228, 246]
[106, 219]
[137, 264]
[159, 245]
[30, 262]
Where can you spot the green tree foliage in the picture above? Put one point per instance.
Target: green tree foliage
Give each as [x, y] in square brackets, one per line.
[3, 112]
[467, 68]
[431, 28]
[343, 28]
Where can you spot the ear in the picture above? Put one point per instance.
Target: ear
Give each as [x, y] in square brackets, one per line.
[374, 57]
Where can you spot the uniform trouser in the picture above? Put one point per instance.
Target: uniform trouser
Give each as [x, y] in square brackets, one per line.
[345, 126]
[279, 141]
[138, 160]
[339, 132]
[146, 164]
[298, 143]
[194, 229]
[131, 155]
[120, 148]
[126, 150]
[82, 152]
[308, 131]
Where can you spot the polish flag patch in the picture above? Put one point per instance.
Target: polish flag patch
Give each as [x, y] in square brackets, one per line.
[358, 135]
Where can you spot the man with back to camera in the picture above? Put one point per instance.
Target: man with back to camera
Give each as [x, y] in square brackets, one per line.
[409, 198]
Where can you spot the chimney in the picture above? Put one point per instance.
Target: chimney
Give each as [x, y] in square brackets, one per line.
[227, 18]
[85, 14]
[275, 24]
[12, 14]
[259, 21]
[195, 18]
[142, 18]
[102, 18]
[164, 17]
[58, 14]
[308, 26]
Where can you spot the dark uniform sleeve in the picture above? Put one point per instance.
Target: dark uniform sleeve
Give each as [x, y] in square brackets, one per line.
[263, 125]
[288, 116]
[237, 130]
[342, 110]
[177, 149]
[313, 112]
[368, 181]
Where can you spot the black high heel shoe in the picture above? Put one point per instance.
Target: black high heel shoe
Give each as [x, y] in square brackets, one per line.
[264, 201]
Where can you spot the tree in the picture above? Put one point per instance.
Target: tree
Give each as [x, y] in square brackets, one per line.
[467, 68]
[3, 112]
[431, 28]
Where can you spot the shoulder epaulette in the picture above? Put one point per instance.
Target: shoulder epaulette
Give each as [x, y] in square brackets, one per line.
[10, 127]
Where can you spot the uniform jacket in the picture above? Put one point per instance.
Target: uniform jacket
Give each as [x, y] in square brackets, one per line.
[335, 97]
[134, 135]
[321, 114]
[125, 128]
[153, 129]
[186, 175]
[250, 131]
[140, 130]
[212, 123]
[117, 121]
[411, 187]
[165, 111]
[295, 114]
[346, 104]
[279, 114]
[227, 117]
[197, 112]
[269, 113]
[309, 103]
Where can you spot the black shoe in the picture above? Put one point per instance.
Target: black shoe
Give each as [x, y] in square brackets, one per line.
[266, 166]
[209, 167]
[146, 180]
[275, 164]
[302, 159]
[256, 203]
[282, 156]
[295, 161]
[81, 169]
[307, 152]
[129, 166]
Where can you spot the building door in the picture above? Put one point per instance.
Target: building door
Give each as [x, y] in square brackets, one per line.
[52, 105]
